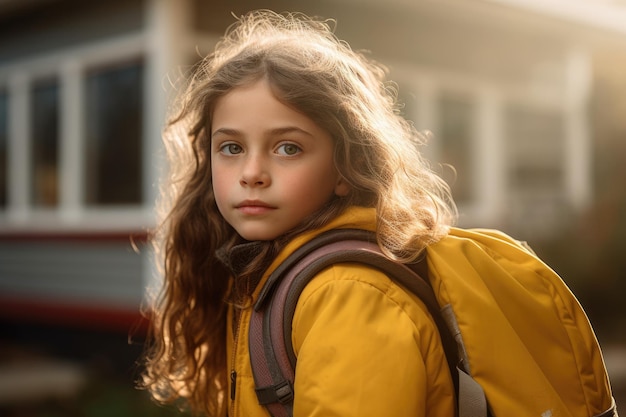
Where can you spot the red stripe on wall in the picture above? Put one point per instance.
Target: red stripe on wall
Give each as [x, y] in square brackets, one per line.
[57, 312]
[135, 237]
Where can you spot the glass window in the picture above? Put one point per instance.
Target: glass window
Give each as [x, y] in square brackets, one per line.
[534, 147]
[113, 140]
[535, 178]
[4, 133]
[455, 141]
[45, 141]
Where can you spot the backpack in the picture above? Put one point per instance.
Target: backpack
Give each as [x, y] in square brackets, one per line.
[516, 339]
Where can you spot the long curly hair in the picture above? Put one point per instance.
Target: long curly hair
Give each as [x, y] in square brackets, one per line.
[375, 150]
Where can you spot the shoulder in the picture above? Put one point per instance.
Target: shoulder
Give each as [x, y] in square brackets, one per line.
[354, 316]
[349, 274]
[361, 293]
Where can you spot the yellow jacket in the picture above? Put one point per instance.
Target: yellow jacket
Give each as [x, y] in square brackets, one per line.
[365, 347]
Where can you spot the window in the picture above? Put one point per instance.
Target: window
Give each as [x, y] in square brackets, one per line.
[71, 145]
[45, 143]
[455, 140]
[3, 148]
[113, 135]
[534, 150]
[537, 196]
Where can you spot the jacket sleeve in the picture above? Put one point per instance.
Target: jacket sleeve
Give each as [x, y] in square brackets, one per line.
[366, 348]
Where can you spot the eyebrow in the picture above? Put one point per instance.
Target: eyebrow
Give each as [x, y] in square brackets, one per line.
[278, 131]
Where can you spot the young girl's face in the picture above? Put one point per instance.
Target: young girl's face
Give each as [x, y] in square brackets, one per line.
[272, 166]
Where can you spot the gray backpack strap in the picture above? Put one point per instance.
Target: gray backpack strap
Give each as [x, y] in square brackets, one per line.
[471, 397]
[271, 352]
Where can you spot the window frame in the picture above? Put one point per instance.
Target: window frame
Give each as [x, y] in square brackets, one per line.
[4, 98]
[70, 67]
[490, 195]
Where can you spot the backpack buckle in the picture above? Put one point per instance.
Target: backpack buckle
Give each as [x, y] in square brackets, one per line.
[281, 393]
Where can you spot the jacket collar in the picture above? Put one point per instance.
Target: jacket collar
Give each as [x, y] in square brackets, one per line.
[237, 257]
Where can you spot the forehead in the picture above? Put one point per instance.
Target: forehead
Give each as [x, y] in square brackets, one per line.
[255, 108]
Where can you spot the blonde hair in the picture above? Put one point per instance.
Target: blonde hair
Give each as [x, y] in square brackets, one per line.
[376, 152]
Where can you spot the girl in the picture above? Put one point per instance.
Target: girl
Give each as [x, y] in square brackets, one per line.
[283, 133]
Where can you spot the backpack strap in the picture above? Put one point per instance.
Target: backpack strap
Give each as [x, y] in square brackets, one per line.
[271, 352]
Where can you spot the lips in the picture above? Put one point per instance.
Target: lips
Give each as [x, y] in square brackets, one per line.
[254, 207]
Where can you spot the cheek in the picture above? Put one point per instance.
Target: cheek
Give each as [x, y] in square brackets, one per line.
[219, 188]
[314, 185]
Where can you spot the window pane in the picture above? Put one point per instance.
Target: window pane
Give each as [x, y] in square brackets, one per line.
[535, 178]
[3, 148]
[534, 145]
[455, 137]
[114, 130]
[45, 140]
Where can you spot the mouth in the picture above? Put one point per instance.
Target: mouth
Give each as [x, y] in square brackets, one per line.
[254, 207]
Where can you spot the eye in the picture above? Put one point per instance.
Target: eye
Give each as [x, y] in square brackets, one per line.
[288, 149]
[231, 149]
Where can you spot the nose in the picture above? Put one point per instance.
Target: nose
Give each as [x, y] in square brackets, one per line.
[255, 173]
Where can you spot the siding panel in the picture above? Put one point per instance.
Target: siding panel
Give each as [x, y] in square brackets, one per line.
[103, 273]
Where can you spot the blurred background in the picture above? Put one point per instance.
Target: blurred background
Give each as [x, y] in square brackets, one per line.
[525, 98]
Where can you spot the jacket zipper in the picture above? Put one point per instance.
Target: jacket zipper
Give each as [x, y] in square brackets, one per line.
[233, 371]
[233, 381]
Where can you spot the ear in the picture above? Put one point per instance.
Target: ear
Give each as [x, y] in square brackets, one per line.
[342, 188]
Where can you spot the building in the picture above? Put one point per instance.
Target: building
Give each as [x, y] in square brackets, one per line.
[507, 87]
